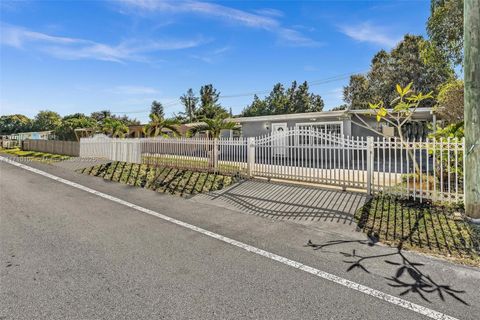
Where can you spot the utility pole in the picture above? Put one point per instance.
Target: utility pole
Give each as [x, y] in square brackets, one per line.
[472, 107]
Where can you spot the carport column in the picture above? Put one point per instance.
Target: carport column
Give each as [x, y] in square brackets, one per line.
[369, 164]
[250, 156]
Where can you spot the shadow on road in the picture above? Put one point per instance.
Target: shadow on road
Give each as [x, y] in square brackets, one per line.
[290, 202]
[407, 275]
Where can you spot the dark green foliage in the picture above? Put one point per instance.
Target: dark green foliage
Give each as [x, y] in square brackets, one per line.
[213, 126]
[189, 101]
[209, 106]
[102, 116]
[66, 130]
[450, 102]
[15, 123]
[46, 120]
[414, 59]
[157, 109]
[114, 127]
[445, 28]
[295, 99]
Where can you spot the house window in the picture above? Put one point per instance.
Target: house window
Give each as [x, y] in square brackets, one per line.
[333, 128]
[236, 133]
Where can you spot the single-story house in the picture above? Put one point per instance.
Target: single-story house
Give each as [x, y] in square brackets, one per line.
[343, 122]
[35, 135]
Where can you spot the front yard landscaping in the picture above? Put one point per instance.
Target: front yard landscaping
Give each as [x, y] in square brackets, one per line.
[423, 227]
[35, 155]
[160, 178]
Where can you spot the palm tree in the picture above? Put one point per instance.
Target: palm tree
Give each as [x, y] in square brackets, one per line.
[158, 123]
[213, 127]
[114, 128]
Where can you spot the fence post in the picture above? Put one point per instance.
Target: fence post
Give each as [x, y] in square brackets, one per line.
[370, 159]
[138, 151]
[113, 150]
[215, 154]
[250, 155]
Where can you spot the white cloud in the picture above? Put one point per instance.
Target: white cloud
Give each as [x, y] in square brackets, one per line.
[212, 56]
[270, 12]
[366, 32]
[76, 49]
[265, 19]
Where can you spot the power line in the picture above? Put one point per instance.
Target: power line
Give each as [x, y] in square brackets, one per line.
[248, 94]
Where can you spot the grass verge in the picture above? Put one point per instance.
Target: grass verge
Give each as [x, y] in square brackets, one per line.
[163, 179]
[437, 230]
[35, 155]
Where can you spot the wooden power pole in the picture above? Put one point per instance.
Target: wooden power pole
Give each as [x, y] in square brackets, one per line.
[472, 108]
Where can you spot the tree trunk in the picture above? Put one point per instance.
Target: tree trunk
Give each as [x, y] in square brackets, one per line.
[410, 153]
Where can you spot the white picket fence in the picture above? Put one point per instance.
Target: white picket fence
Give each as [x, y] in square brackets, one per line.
[114, 149]
[222, 155]
[427, 169]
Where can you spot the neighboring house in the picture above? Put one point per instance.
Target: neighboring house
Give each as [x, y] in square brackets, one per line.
[36, 135]
[342, 122]
[15, 139]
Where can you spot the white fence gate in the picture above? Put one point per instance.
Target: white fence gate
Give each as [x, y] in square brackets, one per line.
[313, 156]
[427, 169]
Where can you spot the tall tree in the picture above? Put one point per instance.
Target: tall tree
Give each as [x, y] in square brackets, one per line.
[189, 101]
[47, 120]
[15, 123]
[445, 28]
[66, 131]
[357, 92]
[209, 106]
[208, 95]
[414, 59]
[277, 100]
[100, 116]
[157, 108]
[258, 107]
[296, 99]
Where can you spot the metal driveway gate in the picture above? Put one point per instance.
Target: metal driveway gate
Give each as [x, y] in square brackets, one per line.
[313, 156]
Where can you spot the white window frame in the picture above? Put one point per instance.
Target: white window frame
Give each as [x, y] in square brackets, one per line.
[297, 142]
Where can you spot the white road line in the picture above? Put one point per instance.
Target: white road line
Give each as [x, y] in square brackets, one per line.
[297, 265]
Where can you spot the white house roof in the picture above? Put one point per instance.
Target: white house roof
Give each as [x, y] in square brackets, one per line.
[292, 116]
[317, 115]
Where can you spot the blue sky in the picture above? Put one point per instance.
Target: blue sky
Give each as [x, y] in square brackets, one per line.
[84, 56]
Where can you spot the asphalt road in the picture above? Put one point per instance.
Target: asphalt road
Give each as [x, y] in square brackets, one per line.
[68, 254]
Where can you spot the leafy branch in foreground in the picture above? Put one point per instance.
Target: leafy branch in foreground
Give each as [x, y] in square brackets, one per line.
[404, 106]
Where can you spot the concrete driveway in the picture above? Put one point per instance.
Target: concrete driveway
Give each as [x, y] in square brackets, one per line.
[284, 201]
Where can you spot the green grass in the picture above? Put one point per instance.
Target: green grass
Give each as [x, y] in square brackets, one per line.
[164, 179]
[190, 164]
[35, 155]
[437, 230]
